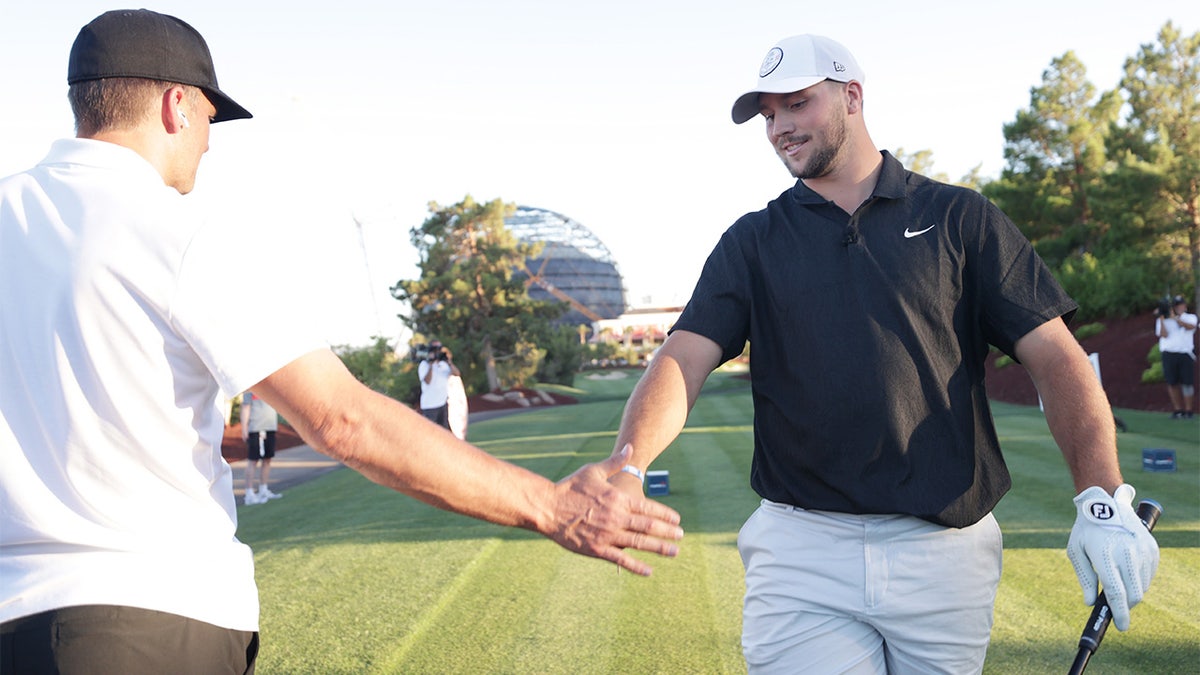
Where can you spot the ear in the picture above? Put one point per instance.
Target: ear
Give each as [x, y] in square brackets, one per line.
[173, 101]
[854, 97]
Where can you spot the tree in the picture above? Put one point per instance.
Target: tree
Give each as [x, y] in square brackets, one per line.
[1107, 192]
[1056, 157]
[468, 297]
[921, 162]
[563, 356]
[1159, 146]
[379, 367]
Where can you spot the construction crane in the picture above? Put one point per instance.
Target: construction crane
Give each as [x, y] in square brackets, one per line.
[531, 278]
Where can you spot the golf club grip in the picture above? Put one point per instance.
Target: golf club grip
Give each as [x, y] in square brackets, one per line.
[1093, 632]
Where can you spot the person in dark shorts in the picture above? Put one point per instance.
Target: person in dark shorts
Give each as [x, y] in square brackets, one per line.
[1176, 331]
[260, 423]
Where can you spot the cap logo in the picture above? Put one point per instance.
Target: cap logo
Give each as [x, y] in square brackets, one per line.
[839, 67]
[771, 62]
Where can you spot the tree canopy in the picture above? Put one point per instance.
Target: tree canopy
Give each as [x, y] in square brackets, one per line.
[467, 295]
[1105, 184]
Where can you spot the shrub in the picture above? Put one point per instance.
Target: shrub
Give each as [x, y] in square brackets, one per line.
[1088, 330]
[1153, 374]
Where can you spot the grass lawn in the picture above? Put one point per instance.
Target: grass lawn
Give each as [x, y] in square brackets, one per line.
[356, 579]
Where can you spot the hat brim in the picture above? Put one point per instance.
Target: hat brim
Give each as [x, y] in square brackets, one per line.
[746, 106]
[227, 108]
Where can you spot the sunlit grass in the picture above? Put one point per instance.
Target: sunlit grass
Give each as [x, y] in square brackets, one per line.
[356, 579]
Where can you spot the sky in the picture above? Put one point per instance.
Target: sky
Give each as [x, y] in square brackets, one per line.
[615, 114]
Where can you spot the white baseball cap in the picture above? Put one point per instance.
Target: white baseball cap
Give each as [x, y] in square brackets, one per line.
[796, 63]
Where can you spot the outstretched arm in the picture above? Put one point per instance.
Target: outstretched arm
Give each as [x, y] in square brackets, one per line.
[659, 405]
[394, 446]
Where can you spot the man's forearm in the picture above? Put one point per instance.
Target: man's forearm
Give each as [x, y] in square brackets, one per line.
[1077, 411]
[659, 405]
[655, 412]
[398, 448]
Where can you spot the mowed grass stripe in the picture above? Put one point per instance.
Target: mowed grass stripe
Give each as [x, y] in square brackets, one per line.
[691, 601]
[492, 625]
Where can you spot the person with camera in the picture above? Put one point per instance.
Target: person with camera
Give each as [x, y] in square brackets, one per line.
[435, 372]
[1176, 331]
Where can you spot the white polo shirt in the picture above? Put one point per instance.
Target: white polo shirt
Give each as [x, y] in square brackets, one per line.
[436, 392]
[117, 342]
[1179, 339]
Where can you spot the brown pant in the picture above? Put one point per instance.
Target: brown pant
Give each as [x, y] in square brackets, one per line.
[104, 639]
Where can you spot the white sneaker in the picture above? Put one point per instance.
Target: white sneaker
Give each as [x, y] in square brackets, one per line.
[264, 493]
[253, 498]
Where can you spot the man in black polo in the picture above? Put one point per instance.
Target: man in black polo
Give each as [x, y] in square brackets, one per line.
[870, 295]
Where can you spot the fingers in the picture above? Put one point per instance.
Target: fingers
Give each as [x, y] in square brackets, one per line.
[596, 518]
[626, 561]
[620, 523]
[1084, 572]
[632, 530]
[619, 457]
[657, 511]
[654, 536]
[1088, 582]
[641, 542]
[1119, 607]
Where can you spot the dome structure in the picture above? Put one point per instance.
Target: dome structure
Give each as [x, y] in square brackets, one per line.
[574, 266]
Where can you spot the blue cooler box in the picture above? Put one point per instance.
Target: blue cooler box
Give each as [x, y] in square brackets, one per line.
[658, 483]
[1158, 459]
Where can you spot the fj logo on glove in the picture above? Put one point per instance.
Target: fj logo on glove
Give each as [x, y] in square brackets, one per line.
[1101, 511]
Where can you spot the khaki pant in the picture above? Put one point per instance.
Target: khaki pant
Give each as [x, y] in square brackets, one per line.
[839, 593]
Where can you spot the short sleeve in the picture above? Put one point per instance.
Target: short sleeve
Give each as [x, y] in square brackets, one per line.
[719, 308]
[241, 347]
[1017, 292]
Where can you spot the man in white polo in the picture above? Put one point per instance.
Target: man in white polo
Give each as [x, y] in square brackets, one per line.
[118, 551]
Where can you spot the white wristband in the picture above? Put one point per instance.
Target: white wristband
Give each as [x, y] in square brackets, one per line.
[634, 471]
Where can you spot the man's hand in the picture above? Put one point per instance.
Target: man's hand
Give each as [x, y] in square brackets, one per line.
[1110, 544]
[594, 518]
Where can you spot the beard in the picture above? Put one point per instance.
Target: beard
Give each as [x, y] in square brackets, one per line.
[827, 147]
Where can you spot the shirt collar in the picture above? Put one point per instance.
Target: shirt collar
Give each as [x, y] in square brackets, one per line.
[101, 154]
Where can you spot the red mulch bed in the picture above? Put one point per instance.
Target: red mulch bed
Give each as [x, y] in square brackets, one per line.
[1122, 347]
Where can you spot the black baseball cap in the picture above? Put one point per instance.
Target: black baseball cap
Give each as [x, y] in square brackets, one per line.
[142, 43]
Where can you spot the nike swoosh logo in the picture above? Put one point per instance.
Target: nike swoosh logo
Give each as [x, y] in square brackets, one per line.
[909, 234]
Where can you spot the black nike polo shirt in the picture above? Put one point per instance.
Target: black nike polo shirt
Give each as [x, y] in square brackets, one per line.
[868, 336]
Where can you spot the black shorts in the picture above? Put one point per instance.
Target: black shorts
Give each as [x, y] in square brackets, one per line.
[1178, 368]
[260, 445]
[113, 639]
[439, 416]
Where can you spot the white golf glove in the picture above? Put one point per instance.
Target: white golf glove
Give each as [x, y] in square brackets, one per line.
[1110, 543]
